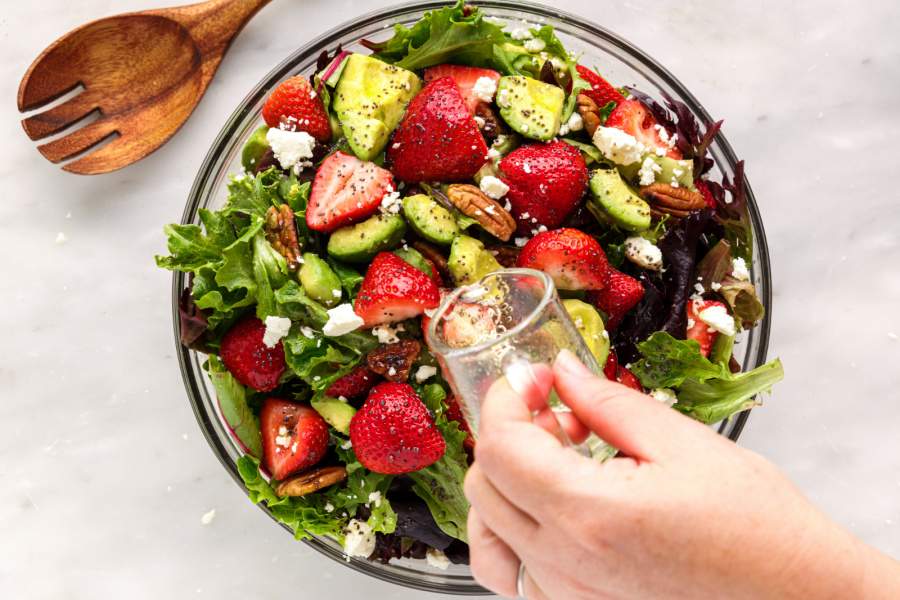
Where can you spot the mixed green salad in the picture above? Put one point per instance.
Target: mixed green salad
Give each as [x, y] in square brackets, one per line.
[459, 146]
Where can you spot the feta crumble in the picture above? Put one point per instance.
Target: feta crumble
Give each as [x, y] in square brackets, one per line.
[493, 187]
[329, 507]
[664, 395]
[342, 320]
[292, 149]
[387, 334]
[618, 146]
[521, 32]
[503, 98]
[276, 328]
[535, 45]
[375, 498]
[479, 121]
[424, 373]
[718, 319]
[359, 539]
[643, 253]
[521, 241]
[493, 154]
[437, 559]
[391, 203]
[484, 89]
[649, 169]
[739, 270]
[283, 438]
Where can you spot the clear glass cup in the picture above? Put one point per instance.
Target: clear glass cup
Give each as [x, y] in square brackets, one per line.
[499, 327]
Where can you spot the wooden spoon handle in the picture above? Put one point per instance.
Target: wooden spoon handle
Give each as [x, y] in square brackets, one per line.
[214, 24]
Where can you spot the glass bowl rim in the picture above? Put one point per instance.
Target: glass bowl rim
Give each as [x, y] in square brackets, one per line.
[208, 169]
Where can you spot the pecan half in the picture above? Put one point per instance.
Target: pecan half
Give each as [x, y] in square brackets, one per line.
[505, 255]
[492, 127]
[393, 361]
[281, 232]
[434, 255]
[675, 201]
[311, 481]
[590, 113]
[474, 203]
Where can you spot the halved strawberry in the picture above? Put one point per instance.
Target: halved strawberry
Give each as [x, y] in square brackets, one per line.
[633, 118]
[345, 190]
[697, 329]
[705, 192]
[294, 106]
[294, 437]
[247, 358]
[354, 384]
[394, 290]
[611, 368]
[627, 378]
[621, 294]
[571, 257]
[601, 92]
[465, 78]
[438, 139]
[467, 324]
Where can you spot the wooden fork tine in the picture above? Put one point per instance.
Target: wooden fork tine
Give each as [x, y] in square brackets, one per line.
[103, 160]
[77, 141]
[59, 117]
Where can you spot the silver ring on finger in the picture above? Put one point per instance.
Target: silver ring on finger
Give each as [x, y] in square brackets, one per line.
[520, 581]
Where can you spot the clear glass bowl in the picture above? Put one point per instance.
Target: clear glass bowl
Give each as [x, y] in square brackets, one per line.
[622, 62]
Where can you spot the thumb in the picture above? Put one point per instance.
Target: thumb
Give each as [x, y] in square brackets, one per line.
[633, 422]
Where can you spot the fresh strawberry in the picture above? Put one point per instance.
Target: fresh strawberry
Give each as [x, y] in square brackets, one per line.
[601, 92]
[393, 432]
[546, 183]
[295, 106]
[633, 118]
[294, 437]
[697, 329]
[394, 290]
[627, 378]
[705, 191]
[467, 323]
[438, 139]
[354, 384]
[621, 294]
[571, 257]
[454, 413]
[247, 358]
[465, 78]
[611, 368]
[345, 190]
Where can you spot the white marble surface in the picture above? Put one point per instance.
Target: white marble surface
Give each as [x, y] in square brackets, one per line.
[104, 473]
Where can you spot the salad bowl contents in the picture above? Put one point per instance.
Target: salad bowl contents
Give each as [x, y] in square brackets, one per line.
[383, 177]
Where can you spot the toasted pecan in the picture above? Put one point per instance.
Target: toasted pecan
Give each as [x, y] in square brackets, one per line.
[281, 232]
[474, 203]
[590, 113]
[311, 481]
[665, 196]
[434, 255]
[394, 361]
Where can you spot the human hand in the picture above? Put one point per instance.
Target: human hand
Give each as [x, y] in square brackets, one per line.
[687, 514]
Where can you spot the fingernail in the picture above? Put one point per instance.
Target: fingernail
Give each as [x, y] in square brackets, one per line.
[520, 376]
[568, 363]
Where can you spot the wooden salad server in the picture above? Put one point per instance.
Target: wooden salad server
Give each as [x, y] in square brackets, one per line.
[143, 73]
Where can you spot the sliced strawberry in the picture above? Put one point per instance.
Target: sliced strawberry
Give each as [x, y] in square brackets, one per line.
[627, 378]
[467, 324]
[294, 437]
[601, 92]
[354, 384]
[345, 190]
[393, 432]
[633, 118]
[394, 290]
[465, 78]
[621, 294]
[573, 259]
[697, 329]
[454, 413]
[705, 191]
[611, 368]
[294, 106]
[546, 182]
[247, 358]
[438, 139]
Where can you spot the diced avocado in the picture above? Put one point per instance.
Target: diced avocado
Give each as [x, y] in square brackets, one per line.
[469, 261]
[590, 325]
[429, 219]
[624, 207]
[255, 148]
[335, 412]
[506, 143]
[531, 107]
[361, 242]
[370, 99]
[681, 171]
[415, 258]
[320, 282]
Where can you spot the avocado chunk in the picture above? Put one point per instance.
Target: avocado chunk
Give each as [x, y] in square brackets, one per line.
[530, 107]
[681, 171]
[429, 219]
[361, 242]
[369, 100]
[469, 261]
[335, 412]
[415, 258]
[254, 149]
[590, 325]
[320, 282]
[624, 207]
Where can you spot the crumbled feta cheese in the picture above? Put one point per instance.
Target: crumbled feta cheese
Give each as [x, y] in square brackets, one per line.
[391, 203]
[276, 328]
[521, 241]
[674, 183]
[493, 154]
[395, 145]
[664, 395]
[739, 270]
[484, 89]
[521, 32]
[691, 323]
[208, 517]
[525, 216]
[718, 319]
[424, 373]
[283, 438]
[61, 238]
[437, 559]
[716, 286]
[336, 293]
[648, 171]
[698, 287]
[329, 507]
[359, 539]
[618, 146]
[493, 187]
[346, 445]
[503, 98]
[375, 498]
[535, 45]
[392, 371]
[479, 121]
[575, 122]
[292, 149]
[341, 320]
[387, 334]
[643, 253]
